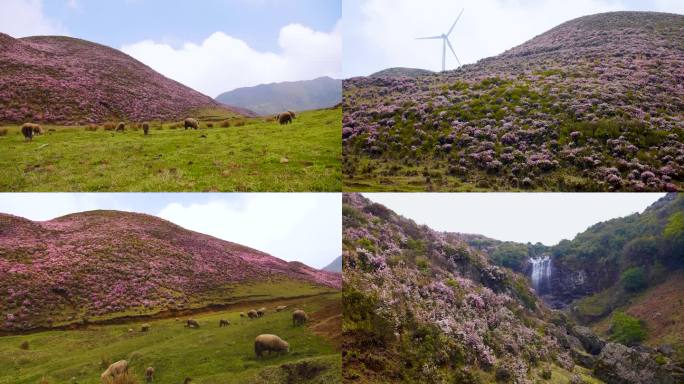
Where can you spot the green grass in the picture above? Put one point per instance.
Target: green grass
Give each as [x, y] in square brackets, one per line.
[258, 156]
[208, 355]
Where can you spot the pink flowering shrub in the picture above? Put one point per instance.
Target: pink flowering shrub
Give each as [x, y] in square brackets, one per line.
[595, 93]
[102, 262]
[420, 302]
[63, 80]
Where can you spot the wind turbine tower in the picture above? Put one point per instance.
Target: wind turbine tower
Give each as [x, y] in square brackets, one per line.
[445, 42]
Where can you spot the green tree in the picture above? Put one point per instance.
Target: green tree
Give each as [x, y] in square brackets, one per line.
[633, 279]
[627, 330]
[510, 255]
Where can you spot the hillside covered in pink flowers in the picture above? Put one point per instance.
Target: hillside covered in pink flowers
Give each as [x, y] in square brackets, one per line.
[103, 264]
[57, 79]
[423, 306]
[594, 104]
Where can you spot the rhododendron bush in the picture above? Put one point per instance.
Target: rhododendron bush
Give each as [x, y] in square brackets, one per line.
[98, 263]
[63, 80]
[423, 304]
[593, 104]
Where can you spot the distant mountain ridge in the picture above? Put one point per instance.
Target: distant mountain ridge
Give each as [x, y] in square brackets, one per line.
[268, 99]
[334, 266]
[101, 263]
[58, 79]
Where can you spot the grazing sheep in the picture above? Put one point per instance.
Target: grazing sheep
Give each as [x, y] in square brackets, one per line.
[280, 308]
[109, 126]
[149, 374]
[37, 130]
[190, 323]
[270, 343]
[252, 314]
[146, 128]
[210, 125]
[130, 330]
[27, 131]
[261, 312]
[291, 114]
[120, 127]
[223, 323]
[191, 123]
[284, 118]
[242, 314]
[299, 317]
[114, 370]
[145, 328]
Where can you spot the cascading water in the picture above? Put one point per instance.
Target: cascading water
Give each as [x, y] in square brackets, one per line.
[541, 273]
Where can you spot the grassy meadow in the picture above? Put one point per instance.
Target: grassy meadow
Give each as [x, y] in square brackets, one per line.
[208, 355]
[252, 154]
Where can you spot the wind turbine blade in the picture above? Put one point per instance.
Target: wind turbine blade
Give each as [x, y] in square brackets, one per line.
[454, 24]
[452, 51]
[430, 37]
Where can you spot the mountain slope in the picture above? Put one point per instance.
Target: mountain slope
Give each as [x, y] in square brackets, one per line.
[593, 104]
[269, 99]
[60, 79]
[334, 266]
[108, 263]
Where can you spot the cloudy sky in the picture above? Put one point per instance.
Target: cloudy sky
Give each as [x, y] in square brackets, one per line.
[212, 46]
[379, 34]
[292, 226]
[522, 217]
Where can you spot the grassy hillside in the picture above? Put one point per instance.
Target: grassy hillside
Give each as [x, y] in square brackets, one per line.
[207, 355]
[250, 155]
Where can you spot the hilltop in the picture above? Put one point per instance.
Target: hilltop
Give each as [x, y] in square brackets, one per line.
[594, 104]
[273, 98]
[100, 265]
[422, 305]
[401, 72]
[335, 265]
[58, 79]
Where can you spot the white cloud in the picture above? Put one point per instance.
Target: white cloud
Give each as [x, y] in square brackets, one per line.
[381, 33]
[222, 63]
[21, 18]
[296, 226]
[521, 217]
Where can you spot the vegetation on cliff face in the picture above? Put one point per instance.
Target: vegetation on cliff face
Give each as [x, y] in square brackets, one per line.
[423, 306]
[591, 105]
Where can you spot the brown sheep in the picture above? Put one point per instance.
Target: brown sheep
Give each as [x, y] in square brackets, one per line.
[190, 323]
[284, 118]
[223, 323]
[261, 312]
[27, 131]
[146, 128]
[242, 314]
[145, 328]
[114, 370]
[120, 127]
[280, 308]
[37, 130]
[299, 317]
[252, 314]
[149, 374]
[270, 343]
[108, 126]
[191, 123]
[291, 114]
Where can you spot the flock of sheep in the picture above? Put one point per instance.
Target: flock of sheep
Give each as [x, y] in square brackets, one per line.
[262, 343]
[31, 129]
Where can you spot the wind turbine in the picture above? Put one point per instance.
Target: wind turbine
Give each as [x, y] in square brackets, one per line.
[445, 42]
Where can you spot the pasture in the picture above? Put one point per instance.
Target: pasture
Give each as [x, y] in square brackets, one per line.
[252, 154]
[208, 355]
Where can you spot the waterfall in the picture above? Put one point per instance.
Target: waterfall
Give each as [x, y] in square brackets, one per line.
[541, 273]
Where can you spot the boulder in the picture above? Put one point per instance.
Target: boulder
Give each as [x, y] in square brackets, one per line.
[591, 343]
[619, 364]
